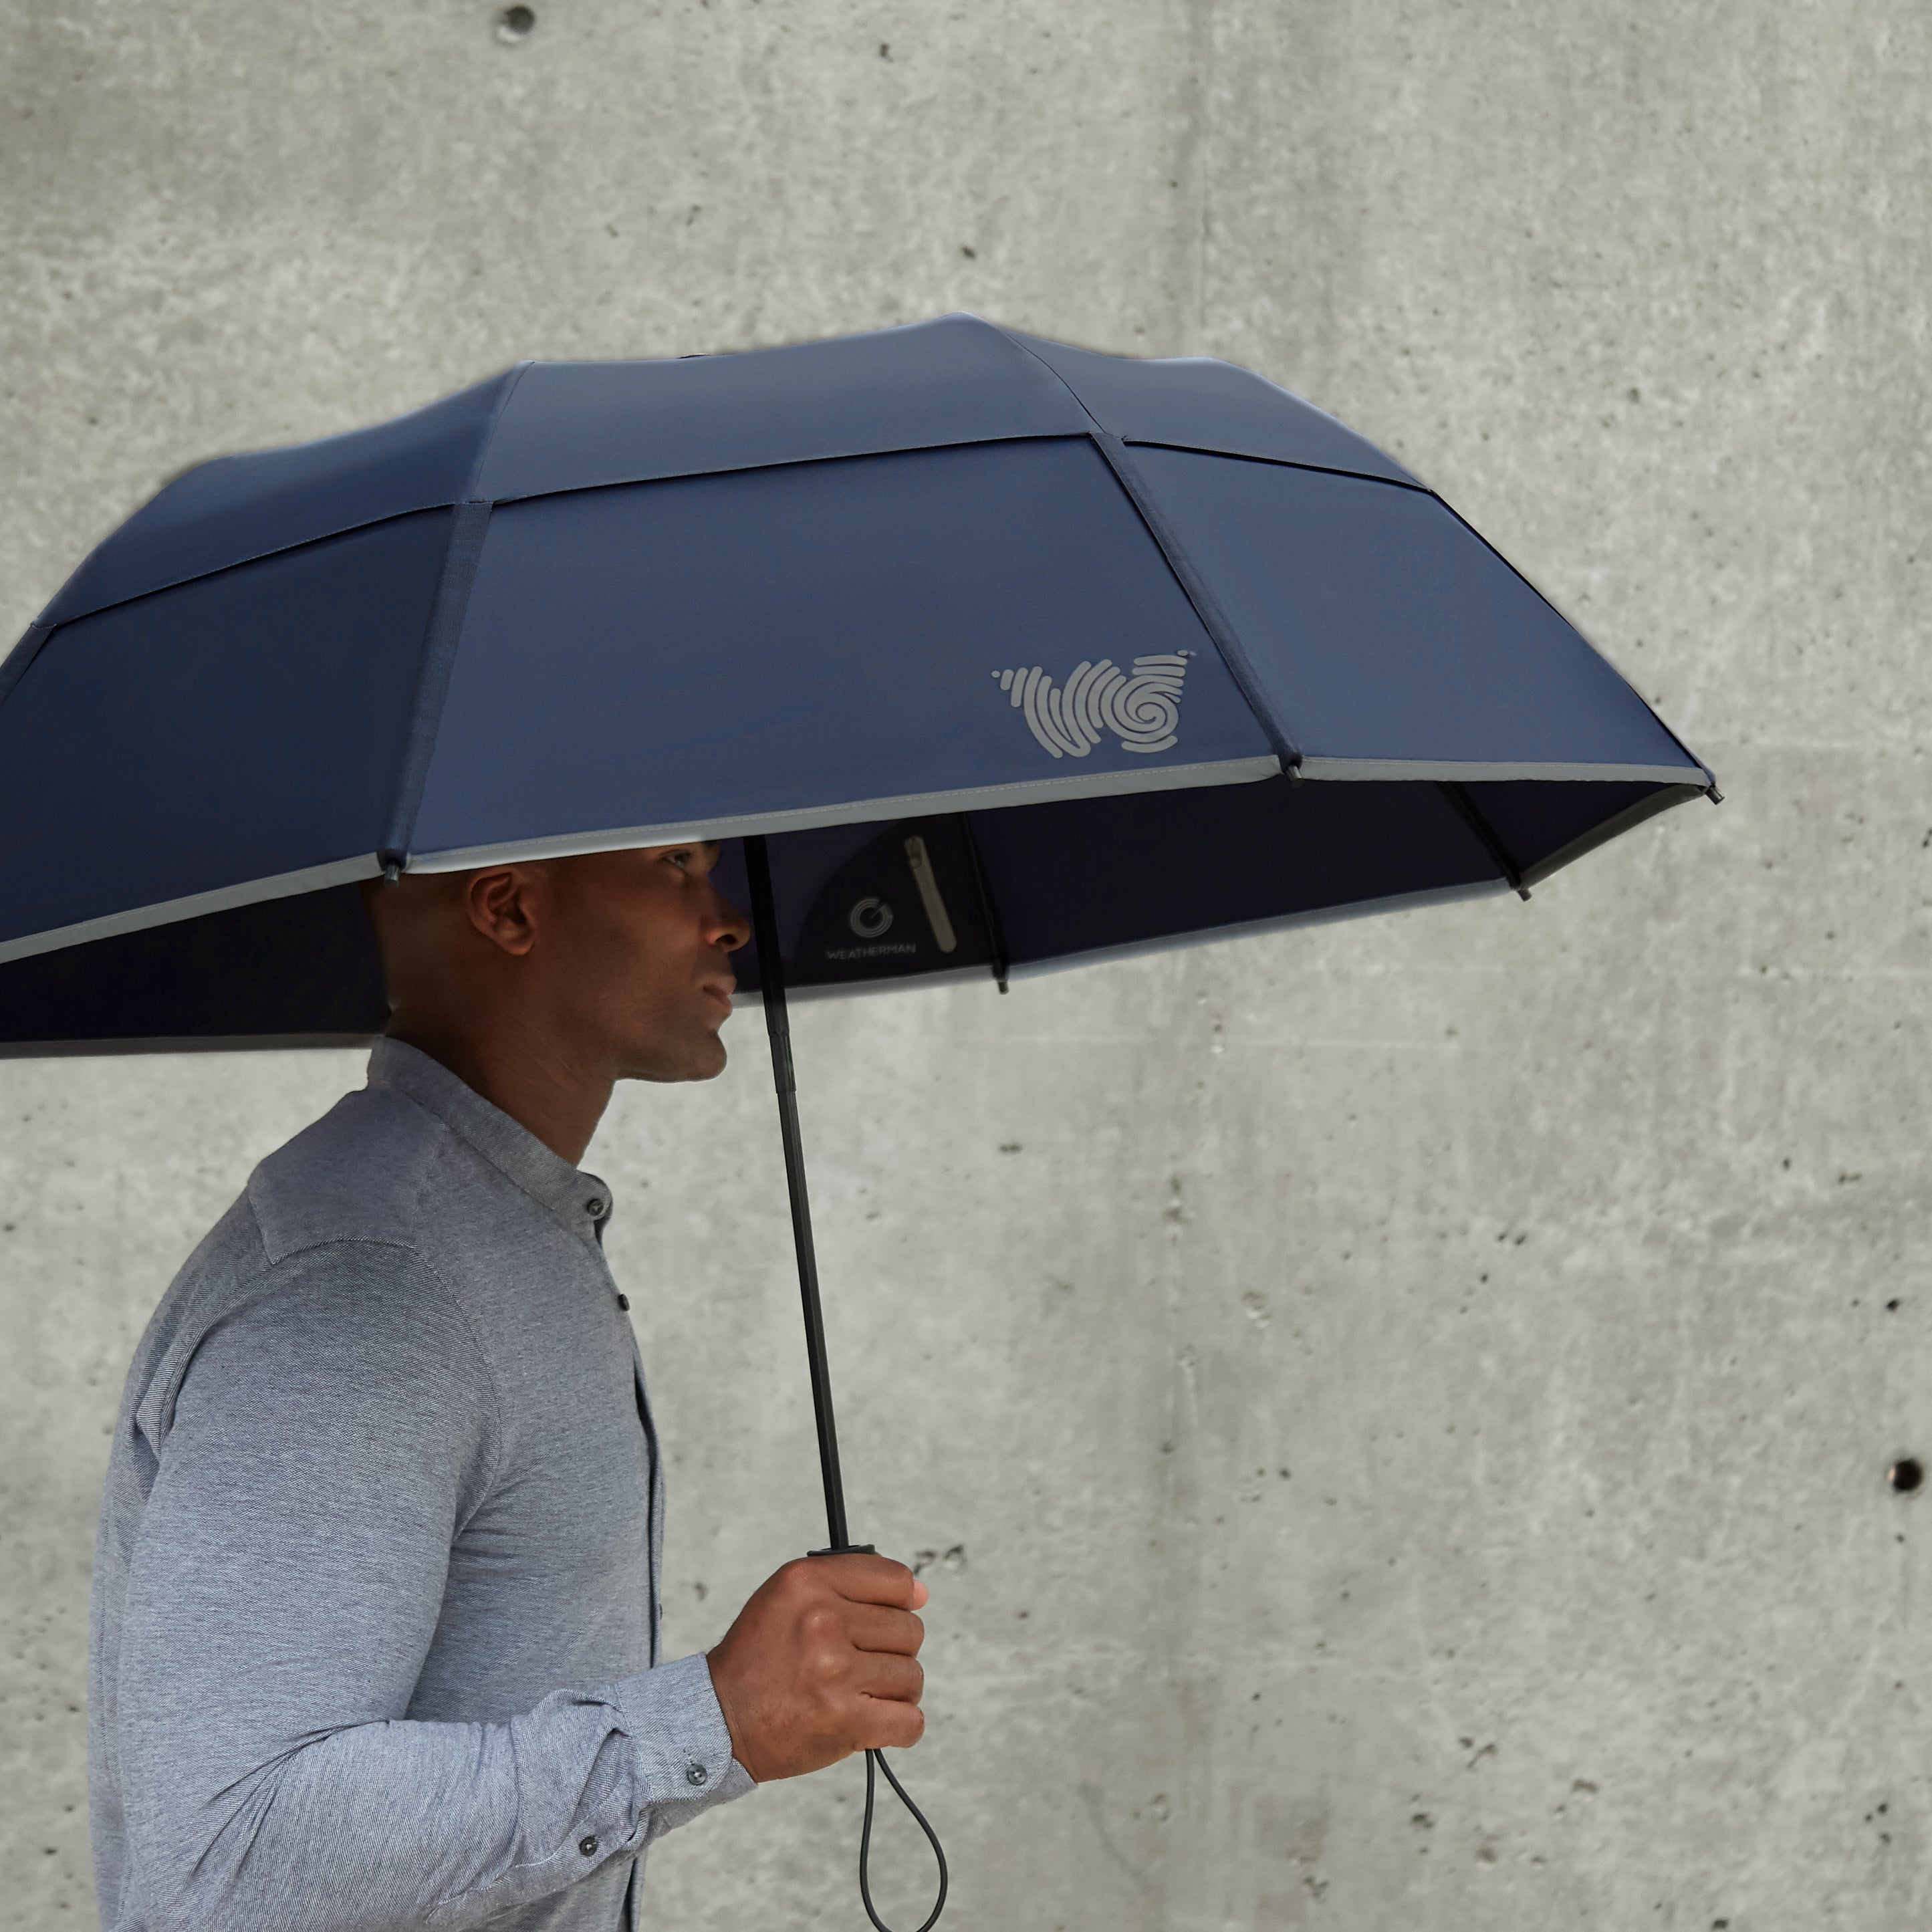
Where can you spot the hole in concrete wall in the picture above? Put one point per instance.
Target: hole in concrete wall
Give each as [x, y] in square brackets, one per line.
[514, 24]
[1905, 1475]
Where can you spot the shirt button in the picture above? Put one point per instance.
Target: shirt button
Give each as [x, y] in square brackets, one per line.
[593, 1206]
[624, 1303]
[696, 1773]
[588, 1847]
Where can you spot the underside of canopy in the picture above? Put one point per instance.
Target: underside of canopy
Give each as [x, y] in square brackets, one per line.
[918, 901]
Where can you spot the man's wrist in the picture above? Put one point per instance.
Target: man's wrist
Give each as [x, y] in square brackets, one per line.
[684, 1748]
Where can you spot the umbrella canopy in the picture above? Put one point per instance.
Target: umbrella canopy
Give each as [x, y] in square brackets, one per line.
[1020, 654]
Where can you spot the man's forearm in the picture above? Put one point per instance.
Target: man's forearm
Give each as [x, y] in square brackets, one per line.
[404, 1823]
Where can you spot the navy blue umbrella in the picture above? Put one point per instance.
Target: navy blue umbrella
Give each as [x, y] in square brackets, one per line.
[984, 654]
[978, 629]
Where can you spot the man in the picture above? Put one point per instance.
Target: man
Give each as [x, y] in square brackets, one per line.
[375, 1605]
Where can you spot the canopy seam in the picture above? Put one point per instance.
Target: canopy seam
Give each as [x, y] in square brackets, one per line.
[1213, 619]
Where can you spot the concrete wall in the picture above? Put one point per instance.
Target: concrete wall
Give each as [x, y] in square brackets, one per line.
[1398, 1415]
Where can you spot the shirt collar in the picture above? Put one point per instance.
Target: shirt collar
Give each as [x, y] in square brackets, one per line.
[579, 1200]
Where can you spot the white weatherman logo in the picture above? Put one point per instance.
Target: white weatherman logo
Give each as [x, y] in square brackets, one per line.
[1142, 710]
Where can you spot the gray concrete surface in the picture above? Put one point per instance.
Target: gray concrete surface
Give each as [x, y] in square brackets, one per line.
[1397, 1416]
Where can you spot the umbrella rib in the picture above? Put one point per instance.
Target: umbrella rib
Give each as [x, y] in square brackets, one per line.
[989, 913]
[1709, 787]
[469, 521]
[1458, 796]
[1193, 586]
[19, 660]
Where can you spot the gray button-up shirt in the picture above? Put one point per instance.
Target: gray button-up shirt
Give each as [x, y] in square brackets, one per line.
[375, 1600]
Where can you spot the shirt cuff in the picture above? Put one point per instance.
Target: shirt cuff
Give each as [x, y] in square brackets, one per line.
[683, 1750]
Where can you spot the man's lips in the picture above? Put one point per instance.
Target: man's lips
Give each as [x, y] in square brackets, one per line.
[721, 990]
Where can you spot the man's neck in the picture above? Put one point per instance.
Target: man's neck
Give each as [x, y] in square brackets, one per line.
[536, 1081]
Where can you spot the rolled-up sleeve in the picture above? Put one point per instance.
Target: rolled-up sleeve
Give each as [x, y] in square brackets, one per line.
[325, 1447]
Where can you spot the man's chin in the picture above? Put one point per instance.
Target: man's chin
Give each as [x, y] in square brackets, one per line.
[704, 1061]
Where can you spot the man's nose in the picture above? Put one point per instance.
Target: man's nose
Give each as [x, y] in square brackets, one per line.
[727, 926]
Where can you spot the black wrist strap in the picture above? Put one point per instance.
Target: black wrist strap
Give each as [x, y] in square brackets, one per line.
[875, 1762]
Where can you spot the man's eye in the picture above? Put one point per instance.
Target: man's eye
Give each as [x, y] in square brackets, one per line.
[680, 859]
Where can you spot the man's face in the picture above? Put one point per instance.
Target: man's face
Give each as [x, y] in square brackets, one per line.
[639, 946]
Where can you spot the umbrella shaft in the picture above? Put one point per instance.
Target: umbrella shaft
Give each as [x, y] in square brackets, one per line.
[771, 981]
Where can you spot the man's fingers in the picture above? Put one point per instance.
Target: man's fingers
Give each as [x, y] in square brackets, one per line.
[899, 1678]
[887, 1725]
[874, 1580]
[869, 1627]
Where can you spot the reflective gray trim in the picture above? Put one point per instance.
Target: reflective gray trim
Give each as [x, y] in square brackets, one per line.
[1612, 827]
[857, 812]
[861, 812]
[1455, 773]
[19, 660]
[224, 898]
[249, 1042]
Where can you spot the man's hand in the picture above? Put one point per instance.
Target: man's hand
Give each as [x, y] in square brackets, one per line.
[822, 1661]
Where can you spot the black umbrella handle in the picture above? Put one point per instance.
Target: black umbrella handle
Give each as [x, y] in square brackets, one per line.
[771, 985]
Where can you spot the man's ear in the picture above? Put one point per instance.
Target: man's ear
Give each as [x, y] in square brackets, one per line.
[504, 903]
